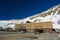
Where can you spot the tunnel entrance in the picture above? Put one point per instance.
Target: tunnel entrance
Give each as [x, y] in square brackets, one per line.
[22, 29]
[39, 31]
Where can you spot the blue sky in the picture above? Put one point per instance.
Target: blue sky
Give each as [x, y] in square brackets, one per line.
[18, 9]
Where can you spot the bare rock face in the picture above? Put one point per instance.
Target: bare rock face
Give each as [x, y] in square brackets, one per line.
[59, 22]
[28, 22]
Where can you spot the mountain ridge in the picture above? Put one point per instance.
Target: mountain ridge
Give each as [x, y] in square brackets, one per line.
[51, 15]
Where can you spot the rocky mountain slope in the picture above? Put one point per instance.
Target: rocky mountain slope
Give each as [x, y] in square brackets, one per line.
[51, 15]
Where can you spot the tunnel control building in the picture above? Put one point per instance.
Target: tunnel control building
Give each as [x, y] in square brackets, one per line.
[32, 27]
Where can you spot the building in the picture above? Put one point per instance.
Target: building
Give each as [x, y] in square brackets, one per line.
[33, 27]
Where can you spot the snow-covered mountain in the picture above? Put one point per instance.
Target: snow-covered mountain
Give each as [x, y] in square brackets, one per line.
[51, 15]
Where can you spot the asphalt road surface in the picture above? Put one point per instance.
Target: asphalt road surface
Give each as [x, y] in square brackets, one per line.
[28, 36]
[3, 32]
